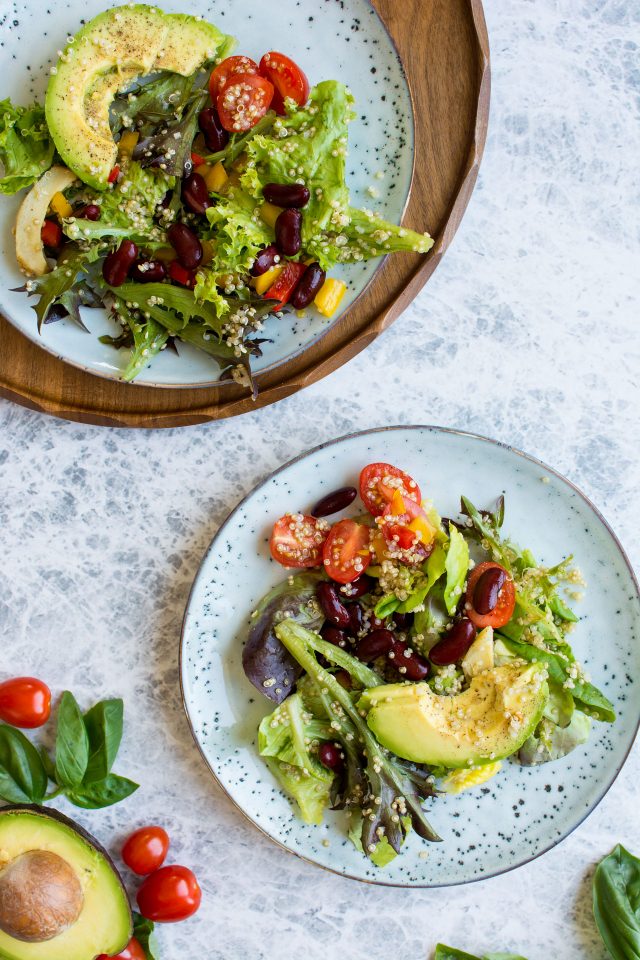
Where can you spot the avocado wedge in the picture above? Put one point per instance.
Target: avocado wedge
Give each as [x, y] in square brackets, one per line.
[108, 53]
[61, 897]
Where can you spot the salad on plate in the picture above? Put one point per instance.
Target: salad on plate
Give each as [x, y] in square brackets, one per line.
[189, 192]
[409, 657]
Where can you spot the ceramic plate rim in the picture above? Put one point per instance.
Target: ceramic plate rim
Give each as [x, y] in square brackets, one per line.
[322, 446]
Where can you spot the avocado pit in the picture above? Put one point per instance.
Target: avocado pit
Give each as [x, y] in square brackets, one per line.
[40, 896]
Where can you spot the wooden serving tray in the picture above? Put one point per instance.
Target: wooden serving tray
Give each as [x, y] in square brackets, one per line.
[445, 51]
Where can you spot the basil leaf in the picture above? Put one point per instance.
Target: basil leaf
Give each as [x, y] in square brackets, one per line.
[103, 793]
[616, 903]
[450, 953]
[72, 743]
[103, 724]
[143, 931]
[22, 775]
[48, 764]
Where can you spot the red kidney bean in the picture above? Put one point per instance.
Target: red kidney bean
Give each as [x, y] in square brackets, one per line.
[288, 232]
[407, 662]
[148, 271]
[332, 607]
[266, 258]
[487, 590]
[357, 588]
[330, 755]
[454, 644]
[91, 212]
[287, 194]
[186, 245]
[334, 502]
[402, 620]
[308, 287]
[195, 193]
[215, 135]
[375, 623]
[356, 618]
[115, 268]
[333, 635]
[374, 645]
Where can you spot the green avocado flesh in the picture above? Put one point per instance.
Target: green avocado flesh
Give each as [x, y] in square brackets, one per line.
[107, 54]
[104, 923]
[489, 721]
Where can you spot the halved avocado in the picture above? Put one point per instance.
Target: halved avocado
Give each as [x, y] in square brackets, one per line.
[489, 721]
[61, 897]
[108, 53]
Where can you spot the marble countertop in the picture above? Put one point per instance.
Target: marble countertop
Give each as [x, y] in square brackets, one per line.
[528, 332]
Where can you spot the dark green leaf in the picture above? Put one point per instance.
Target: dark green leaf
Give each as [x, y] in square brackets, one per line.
[450, 953]
[144, 932]
[104, 729]
[22, 775]
[72, 743]
[48, 764]
[616, 903]
[238, 142]
[52, 287]
[103, 793]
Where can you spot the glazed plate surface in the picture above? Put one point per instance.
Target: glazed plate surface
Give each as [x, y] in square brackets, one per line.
[522, 812]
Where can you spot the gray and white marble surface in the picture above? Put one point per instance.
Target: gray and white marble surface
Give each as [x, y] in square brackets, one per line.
[528, 332]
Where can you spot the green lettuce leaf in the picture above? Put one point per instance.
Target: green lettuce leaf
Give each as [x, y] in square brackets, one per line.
[551, 742]
[55, 287]
[456, 566]
[26, 147]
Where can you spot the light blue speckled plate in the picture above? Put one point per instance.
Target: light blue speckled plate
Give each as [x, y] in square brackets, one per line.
[339, 41]
[521, 813]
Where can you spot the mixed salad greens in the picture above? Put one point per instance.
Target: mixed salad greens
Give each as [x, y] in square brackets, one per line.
[189, 192]
[409, 656]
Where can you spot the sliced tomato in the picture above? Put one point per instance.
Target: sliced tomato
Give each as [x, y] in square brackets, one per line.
[113, 176]
[228, 68]
[196, 159]
[297, 540]
[282, 289]
[346, 553]
[179, 274]
[378, 483]
[243, 101]
[51, 234]
[287, 78]
[503, 610]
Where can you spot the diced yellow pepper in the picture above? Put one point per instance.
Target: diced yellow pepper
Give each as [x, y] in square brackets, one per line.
[330, 296]
[270, 213]
[208, 251]
[262, 284]
[423, 529]
[215, 178]
[397, 504]
[61, 206]
[203, 169]
[127, 143]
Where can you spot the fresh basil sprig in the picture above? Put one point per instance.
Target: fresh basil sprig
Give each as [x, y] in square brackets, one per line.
[86, 748]
[143, 931]
[450, 953]
[616, 903]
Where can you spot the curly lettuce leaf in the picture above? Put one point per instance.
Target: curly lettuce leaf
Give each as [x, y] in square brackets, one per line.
[26, 147]
[57, 286]
[238, 234]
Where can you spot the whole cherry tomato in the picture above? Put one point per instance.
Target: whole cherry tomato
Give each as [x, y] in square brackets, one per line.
[146, 849]
[132, 951]
[170, 894]
[25, 702]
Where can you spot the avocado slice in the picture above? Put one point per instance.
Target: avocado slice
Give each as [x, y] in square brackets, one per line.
[105, 55]
[488, 722]
[60, 894]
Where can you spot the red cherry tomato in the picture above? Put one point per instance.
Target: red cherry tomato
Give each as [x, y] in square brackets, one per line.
[346, 554]
[395, 526]
[243, 101]
[297, 540]
[287, 78]
[25, 702]
[379, 482]
[132, 951]
[146, 849]
[503, 610]
[51, 233]
[228, 68]
[186, 278]
[113, 176]
[170, 894]
[283, 286]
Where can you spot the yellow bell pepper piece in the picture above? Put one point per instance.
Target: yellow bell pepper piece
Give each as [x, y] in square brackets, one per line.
[208, 251]
[397, 504]
[127, 143]
[423, 529]
[270, 213]
[216, 178]
[262, 284]
[61, 206]
[330, 296]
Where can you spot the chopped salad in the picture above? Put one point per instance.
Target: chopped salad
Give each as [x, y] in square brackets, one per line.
[189, 192]
[410, 656]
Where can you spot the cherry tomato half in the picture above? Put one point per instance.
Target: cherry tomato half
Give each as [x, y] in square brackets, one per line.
[168, 895]
[378, 483]
[146, 849]
[503, 610]
[243, 101]
[297, 540]
[25, 702]
[132, 951]
[228, 68]
[346, 554]
[287, 78]
[51, 234]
